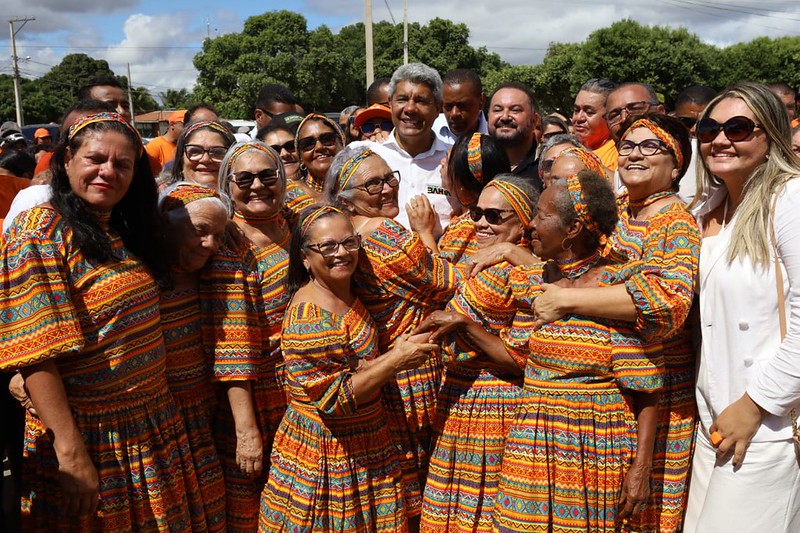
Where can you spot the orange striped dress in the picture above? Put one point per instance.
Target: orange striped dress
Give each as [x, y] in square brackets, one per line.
[100, 323]
[574, 433]
[334, 466]
[475, 410]
[400, 282]
[458, 242]
[668, 244]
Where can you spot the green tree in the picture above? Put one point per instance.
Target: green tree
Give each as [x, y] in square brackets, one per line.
[763, 60]
[175, 99]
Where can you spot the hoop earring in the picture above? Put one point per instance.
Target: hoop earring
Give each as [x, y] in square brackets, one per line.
[566, 248]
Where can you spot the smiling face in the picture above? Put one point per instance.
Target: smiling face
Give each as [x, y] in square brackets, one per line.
[414, 108]
[383, 204]
[508, 230]
[547, 229]
[259, 199]
[205, 170]
[319, 157]
[336, 269]
[285, 141]
[101, 169]
[195, 234]
[511, 116]
[646, 175]
[734, 160]
[588, 123]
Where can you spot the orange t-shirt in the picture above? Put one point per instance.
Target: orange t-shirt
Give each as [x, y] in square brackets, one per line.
[43, 163]
[10, 185]
[159, 150]
[608, 155]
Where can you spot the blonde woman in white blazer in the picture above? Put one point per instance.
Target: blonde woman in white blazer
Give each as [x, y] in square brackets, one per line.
[745, 475]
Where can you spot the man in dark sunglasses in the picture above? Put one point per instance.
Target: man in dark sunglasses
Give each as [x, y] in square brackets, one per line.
[273, 99]
[690, 103]
[462, 106]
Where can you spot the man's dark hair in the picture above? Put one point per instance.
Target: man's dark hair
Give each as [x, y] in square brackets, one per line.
[18, 162]
[188, 117]
[272, 93]
[520, 87]
[374, 87]
[87, 105]
[84, 91]
[781, 87]
[696, 94]
[461, 76]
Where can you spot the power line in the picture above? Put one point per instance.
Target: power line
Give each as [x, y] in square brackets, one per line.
[680, 5]
[733, 9]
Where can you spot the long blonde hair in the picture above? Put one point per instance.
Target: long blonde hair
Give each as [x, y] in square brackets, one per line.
[750, 233]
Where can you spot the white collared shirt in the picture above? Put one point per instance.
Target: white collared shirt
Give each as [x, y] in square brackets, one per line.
[420, 174]
[442, 130]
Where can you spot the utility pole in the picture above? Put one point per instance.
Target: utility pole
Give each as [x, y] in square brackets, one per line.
[130, 97]
[14, 60]
[405, 32]
[368, 41]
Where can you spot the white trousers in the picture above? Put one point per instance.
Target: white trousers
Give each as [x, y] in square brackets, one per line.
[761, 496]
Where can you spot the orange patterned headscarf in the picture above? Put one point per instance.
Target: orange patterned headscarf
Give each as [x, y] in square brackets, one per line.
[315, 215]
[185, 193]
[587, 157]
[105, 116]
[350, 166]
[520, 202]
[475, 156]
[580, 206]
[662, 135]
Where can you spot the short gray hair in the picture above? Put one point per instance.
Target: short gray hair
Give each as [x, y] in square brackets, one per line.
[417, 73]
[599, 86]
[332, 191]
[555, 140]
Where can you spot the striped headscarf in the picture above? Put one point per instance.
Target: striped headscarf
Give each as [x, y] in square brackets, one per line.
[105, 116]
[520, 202]
[662, 135]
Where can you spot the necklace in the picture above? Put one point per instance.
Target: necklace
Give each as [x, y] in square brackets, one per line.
[311, 182]
[650, 200]
[577, 268]
[238, 216]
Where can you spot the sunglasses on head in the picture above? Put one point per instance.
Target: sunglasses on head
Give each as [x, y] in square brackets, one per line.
[492, 214]
[370, 127]
[288, 146]
[736, 129]
[306, 144]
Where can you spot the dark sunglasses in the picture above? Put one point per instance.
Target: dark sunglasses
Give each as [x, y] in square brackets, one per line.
[244, 180]
[492, 214]
[329, 248]
[375, 185]
[288, 146]
[306, 144]
[736, 129]
[370, 127]
[689, 122]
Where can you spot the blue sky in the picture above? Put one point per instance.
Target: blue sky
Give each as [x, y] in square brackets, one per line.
[158, 39]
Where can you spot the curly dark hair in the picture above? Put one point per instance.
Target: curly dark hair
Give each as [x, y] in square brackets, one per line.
[494, 161]
[135, 218]
[600, 201]
[677, 131]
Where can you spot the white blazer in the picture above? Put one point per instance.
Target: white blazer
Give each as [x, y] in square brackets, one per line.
[741, 349]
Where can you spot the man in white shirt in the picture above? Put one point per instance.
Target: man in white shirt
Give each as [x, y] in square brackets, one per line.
[415, 98]
[462, 109]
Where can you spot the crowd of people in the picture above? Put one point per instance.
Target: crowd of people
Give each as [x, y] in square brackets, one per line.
[442, 312]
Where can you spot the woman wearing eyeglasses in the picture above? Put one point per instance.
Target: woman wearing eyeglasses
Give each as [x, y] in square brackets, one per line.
[481, 390]
[200, 149]
[400, 281]
[317, 141]
[253, 175]
[334, 464]
[745, 474]
[655, 227]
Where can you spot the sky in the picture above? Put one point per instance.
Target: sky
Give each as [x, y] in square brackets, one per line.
[159, 38]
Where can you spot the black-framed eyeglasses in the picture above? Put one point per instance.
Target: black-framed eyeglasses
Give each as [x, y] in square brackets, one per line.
[736, 129]
[633, 108]
[329, 248]
[647, 147]
[547, 165]
[375, 185]
[288, 146]
[195, 152]
[369, 128]
[493, 215]
[306, 144]
[244, 180]
[689, 122]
